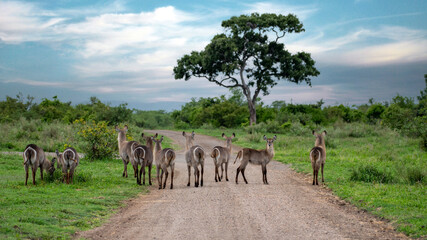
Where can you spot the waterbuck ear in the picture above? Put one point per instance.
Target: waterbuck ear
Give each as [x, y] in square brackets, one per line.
[314, 133]
[183, 134]
[117, 128]
[161, 139]
[142, 134]
[265, 138]
[192, 134]
[324, 133]
[53, 160]
[275, 137]
[223, 135]
[155, 135]
[57, 152]
[126, 128]
[233, 135]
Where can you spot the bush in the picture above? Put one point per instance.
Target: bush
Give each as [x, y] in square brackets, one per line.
[372, 174]
[415, 175]
[99, 139]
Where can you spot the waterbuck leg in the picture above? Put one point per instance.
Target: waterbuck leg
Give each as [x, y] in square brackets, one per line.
[34, 175]
[139, 175]
[189, 174]
[222, 171]
[166, 178]
[201, 181]
[226, 171]
[172, 171]
[125, 169]
[323, 179]
[265, 175]
[237, 174]
[196, 177]
[216, 173]
[243, 174]
[26, 174]
[149, 174]
[314, 175]
[161, 179]
[158, 177]
[41, 172]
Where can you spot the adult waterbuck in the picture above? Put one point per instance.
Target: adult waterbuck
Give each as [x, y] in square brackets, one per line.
[34, 156]
[69, 160]
[221, 157]
[318, 156]
[126, 150]
[256, 157]
[142, 155]
[164, 158]
[194, 156]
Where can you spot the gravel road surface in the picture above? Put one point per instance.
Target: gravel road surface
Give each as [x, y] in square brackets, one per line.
[288, 208]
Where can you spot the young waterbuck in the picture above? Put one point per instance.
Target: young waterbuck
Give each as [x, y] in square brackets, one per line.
[164, 158]
[149, 141]
[256, 157]
[69, 160]
[34, 156]
[221, 157]
[188, 140]
[318, 156]
[125, 150]
[142, 155]
[195, 156]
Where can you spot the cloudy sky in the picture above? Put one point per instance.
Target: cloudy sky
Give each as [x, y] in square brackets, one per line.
[124, 51]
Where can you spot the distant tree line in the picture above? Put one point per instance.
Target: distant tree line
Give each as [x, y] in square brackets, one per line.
[403, 114]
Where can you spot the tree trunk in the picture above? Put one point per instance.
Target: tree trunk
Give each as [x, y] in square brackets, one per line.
[252, 113]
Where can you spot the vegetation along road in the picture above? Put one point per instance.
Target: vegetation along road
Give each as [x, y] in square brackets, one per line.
[288, 208]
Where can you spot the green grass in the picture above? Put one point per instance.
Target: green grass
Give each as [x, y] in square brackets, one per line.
[389, 171]
[51, 209]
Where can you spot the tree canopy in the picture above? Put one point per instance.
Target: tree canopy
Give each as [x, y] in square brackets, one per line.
[250, 55]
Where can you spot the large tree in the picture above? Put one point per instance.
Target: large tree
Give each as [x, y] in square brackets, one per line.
[250, 55]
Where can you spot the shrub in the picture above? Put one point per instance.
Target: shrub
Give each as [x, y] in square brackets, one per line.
[415, 175]
[369, 173]
[99, 139]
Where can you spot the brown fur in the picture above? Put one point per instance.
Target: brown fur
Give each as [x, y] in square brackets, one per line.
[164, 158]
[221, 157]
[69, 160]
[125, 150]
[256, 157]
[318, 156]
[143, 156]
[35, 157]
[194, 156]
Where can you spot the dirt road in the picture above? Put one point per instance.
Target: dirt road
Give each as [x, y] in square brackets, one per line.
[288, 208]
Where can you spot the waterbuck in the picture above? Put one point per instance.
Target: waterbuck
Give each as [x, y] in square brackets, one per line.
[194, 156]
[221, 157]
[34, 156]
[164, 158]
[318, 156]
[125, 150]
[142, 155]
[69, 160]
[256, 157]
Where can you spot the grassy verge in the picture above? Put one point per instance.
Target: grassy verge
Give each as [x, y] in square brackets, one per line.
[376, 170]
[52, 209]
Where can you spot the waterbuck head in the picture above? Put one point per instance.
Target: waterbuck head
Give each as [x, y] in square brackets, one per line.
[320, 138]
[269, 144]
[188, 139]
[122, 133]
[158, 143]
[228, 139]
[51, 168]
[149, 140]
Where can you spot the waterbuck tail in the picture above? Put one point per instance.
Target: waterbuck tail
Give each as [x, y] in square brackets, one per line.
[239, 155]
[27, 154]
[315, 154]
[169, 156]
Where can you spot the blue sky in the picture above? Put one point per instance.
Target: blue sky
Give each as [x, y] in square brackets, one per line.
[124, 51]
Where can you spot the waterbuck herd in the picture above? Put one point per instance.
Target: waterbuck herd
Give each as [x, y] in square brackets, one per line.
[144, 155]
